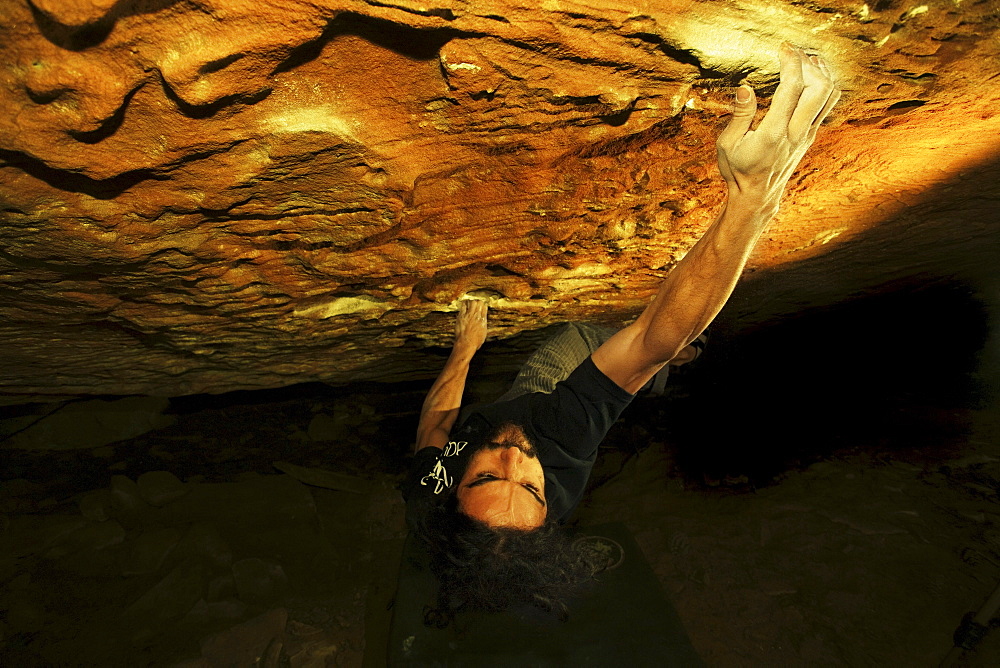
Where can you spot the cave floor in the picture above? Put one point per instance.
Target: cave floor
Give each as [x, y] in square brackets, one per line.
[866, 555]
[865, 558]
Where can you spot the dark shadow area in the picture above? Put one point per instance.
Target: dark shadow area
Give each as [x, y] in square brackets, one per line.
[200, 111]
[73, 38]
[875, 344]
[404, 40]
[366, 429]
[109, 126]
[664, 130]
[297, 554]
[893, 372]
[78, 38]
[74, 182]
[619, 118]
[707, 76]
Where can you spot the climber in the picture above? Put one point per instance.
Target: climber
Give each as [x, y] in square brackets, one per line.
[487, 496]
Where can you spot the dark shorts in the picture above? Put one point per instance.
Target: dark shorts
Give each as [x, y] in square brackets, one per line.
[556, 359]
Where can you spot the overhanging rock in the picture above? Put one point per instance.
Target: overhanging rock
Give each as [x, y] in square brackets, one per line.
[207, 196]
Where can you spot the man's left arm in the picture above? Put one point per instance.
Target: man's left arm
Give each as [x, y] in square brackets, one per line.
[440, 409]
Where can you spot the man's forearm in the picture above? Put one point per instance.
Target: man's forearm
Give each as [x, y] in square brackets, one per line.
[690, 296]
[697, 288]
[440, 409]
[445, 397]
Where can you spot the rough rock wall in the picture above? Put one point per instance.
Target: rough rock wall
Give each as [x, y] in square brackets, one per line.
[208, 195]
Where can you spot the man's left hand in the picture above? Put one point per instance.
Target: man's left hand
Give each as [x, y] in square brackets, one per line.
[470, 327]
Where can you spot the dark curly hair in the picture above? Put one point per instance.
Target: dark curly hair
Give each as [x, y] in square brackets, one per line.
[490, 569]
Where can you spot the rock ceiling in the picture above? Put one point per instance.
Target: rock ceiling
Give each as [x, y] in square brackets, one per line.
[207, 195]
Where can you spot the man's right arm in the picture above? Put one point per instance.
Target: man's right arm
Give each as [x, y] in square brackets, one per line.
[756, 165]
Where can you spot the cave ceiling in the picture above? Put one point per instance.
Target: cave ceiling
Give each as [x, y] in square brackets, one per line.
[209, 195]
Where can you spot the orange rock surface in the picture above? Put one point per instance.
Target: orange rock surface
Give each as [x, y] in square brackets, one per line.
[224, 194]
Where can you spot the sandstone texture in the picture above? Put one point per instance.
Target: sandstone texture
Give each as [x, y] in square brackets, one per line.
[208, 195]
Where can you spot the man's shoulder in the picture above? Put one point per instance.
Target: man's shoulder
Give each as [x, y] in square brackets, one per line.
[588, 375]
[423, 462]
[433, 470]
[586, 388]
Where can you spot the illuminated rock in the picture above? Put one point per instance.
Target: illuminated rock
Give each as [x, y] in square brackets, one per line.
[200, 197]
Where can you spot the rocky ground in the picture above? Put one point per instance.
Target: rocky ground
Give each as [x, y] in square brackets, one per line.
[862, 541]
[862, 559]
[185, 547]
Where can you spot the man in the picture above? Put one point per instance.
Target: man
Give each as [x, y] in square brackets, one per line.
[487, 497]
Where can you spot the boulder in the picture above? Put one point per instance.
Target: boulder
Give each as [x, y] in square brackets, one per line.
[246, 643]
[98, 505]
[147, 552]
[159, 488]
[259, 581]
[261, 194]
[91, 424]
[127, 505]
[170, 598]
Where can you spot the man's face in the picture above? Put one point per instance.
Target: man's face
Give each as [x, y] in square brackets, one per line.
[504, 485]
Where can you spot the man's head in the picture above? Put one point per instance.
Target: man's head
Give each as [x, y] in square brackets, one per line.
[503, 484]
[491, 543]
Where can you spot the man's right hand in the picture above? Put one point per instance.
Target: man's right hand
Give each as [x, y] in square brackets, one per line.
[470, 327]
[756, 164]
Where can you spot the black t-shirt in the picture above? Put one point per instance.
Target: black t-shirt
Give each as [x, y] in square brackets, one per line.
[565, 426]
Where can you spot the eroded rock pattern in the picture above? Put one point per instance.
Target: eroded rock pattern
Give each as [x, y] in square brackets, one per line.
[208, 195]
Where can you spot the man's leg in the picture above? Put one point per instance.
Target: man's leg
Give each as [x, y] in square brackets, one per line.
[556, 359]
[558, 356]
[657, 385]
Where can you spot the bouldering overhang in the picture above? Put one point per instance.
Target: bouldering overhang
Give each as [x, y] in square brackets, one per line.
[201, 197]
